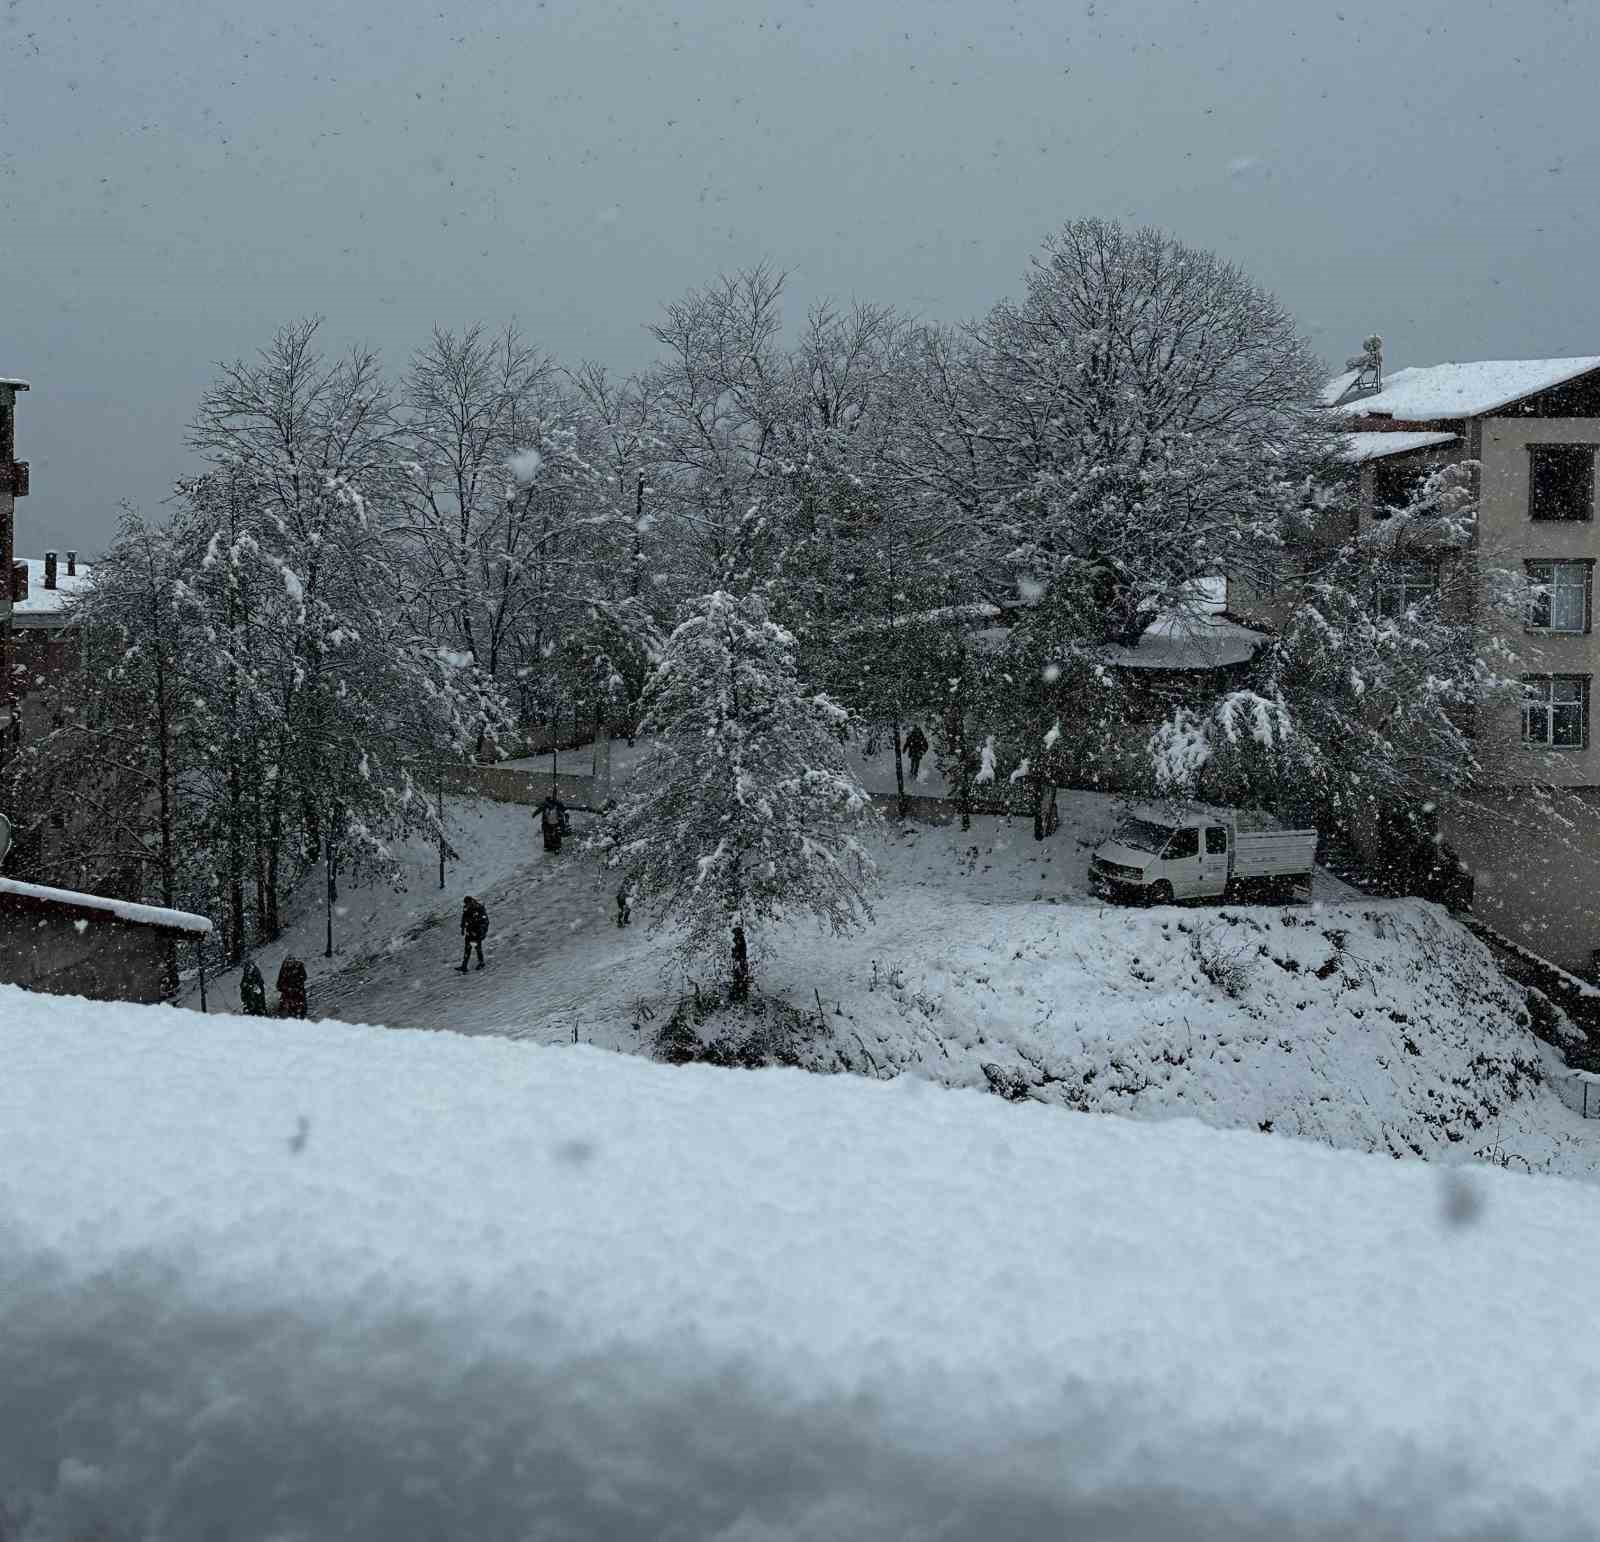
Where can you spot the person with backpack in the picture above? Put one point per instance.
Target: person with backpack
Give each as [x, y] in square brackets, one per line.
[916, 748]
[552, 821]
[291, 988]
[253, 991]
[474, 928]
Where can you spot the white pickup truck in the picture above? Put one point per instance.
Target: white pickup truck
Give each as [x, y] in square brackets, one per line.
[1158, 855]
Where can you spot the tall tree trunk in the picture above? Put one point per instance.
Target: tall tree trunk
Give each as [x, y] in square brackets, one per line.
[272, 923]
[899, 771]
[235, 862]
[164, 767]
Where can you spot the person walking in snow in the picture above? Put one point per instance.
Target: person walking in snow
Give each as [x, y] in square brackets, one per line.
[624, 907]
[474, 928]
[253, 991]
[552, 821]
[291, 988]
[916, 748]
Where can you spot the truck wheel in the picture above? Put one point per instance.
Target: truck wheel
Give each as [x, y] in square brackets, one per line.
[1161, 893]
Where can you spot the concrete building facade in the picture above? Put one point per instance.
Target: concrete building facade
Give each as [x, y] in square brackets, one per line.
[1529, 430]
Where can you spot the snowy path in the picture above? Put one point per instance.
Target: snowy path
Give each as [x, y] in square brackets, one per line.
[555, 959]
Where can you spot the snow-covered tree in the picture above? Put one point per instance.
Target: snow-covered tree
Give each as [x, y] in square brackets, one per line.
[720, 394]
[1364, 715]
[743, 811]
[1145, 408]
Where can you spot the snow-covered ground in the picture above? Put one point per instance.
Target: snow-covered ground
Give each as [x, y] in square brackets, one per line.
[304, 1280]
[404, 915]
[1376, 1025]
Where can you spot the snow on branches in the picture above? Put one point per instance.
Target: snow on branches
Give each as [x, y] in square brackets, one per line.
[743, 811]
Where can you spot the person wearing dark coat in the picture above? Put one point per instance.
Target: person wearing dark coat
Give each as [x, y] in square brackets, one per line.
[474, 928]
[291, 988]
[553, 821]
[916, 748]
[253, 991]
[624, 907]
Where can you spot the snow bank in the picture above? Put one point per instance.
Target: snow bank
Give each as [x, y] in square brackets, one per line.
[299, 1280]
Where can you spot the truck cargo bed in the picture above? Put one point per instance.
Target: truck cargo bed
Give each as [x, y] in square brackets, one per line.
[1273, 853]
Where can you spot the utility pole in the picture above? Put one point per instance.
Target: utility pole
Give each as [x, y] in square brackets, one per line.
[13, 485]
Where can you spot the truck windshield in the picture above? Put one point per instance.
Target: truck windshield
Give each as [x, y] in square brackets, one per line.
[1142, 835]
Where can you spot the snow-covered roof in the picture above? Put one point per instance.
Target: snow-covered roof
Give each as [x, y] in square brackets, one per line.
[1201, 638]
[123, 910]
[1188, 642]
[1197, 637]
[1365, 447]
[1337, 386]
[15, 384]
[42, 601]
[1466, 390]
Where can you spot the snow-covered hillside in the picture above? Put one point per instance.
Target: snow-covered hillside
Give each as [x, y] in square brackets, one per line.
[1378, 1025]
[310, 1280]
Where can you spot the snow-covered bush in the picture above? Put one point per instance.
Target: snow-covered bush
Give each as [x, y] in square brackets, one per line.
[1226, 968]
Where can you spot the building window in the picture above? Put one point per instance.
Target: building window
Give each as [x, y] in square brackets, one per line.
[1555, 711]
[1395, 486]
[1560, 601]
[1404, 584]
[1561, 481]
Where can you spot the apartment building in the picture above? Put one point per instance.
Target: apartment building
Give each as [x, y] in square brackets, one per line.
[1531, 429]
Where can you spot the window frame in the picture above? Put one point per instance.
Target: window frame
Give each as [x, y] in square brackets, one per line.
[1554, 450]
[1549, 705]
[1400, 576]
[1547, 628]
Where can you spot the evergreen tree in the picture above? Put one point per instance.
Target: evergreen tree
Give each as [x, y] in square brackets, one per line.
[743, 810]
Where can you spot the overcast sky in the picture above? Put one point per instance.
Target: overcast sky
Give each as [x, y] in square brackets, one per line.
[177, 177]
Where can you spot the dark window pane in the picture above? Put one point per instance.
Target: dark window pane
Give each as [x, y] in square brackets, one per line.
[1216, 841]
[1555, 711]
[1184, 843]
[1561, 481]
[1393, 487]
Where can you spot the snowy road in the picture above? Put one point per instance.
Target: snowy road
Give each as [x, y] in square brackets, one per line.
[555, 960]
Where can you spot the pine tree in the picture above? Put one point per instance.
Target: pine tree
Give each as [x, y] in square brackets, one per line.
[743, 811]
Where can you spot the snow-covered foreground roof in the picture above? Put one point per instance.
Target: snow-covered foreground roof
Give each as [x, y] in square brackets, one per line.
[14, 383]
[123, 910]
[1375, 446]
[45, 602]
[304, 1279]
[1464, 390]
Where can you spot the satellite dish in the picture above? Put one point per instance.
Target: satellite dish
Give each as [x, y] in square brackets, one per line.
[5, 837]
